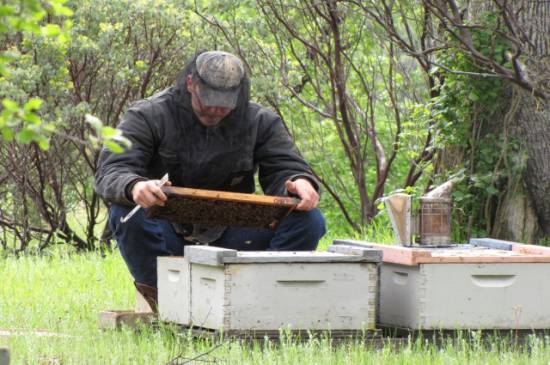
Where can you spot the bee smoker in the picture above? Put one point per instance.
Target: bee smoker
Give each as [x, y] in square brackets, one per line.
[431, 222]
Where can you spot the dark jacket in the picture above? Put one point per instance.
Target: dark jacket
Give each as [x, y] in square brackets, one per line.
[167, 137]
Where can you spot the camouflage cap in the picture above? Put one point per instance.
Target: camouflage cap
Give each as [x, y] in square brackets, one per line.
[219, 78]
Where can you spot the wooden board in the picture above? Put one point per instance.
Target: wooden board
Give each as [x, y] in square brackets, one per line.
[492, 243]
[531, 249]
[220, 208]
[116, 319]
[217, 256]
[256, 257]
[415, 255]
[511, 246]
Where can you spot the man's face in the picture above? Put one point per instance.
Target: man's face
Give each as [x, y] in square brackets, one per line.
[209, 116]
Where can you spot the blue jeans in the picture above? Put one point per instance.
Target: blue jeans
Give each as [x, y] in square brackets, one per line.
[141, 239]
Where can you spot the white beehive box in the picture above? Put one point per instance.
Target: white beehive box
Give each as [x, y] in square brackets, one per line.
[487, 285]
[216, 288]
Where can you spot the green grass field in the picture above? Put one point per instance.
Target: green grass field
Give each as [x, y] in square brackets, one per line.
[48, 315]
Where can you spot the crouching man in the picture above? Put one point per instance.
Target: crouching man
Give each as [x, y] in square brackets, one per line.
[206, 134]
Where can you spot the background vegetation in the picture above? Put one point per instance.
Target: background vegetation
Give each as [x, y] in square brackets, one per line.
[379, 97]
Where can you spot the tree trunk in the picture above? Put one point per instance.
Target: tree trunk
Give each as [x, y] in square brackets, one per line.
[532, 120]
[524, 212]
[533, 128]
[516, 219]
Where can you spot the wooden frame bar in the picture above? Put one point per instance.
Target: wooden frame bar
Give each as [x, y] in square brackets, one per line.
[220, 208]
[412, 256]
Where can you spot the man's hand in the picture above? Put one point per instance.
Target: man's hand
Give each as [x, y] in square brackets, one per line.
[148, 193]
[305, 191]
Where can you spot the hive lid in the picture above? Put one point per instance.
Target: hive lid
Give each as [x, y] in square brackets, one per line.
[209, 255]
[221, 208]
[480, 251]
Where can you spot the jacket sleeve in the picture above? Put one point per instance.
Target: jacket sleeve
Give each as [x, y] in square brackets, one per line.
[116, 171]
[278, 157]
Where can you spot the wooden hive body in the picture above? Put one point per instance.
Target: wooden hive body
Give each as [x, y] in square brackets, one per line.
[489, 284]
[267, 291]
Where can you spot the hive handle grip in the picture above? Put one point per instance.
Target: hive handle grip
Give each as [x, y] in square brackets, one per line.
[493, 281]
[174, 275]
[400, 278]
[300, 282]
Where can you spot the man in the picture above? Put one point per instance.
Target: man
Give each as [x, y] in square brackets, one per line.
[205, 133]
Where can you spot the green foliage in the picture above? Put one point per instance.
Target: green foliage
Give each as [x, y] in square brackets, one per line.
[24, 29]
[113, 138]
[86, 73]
[88, 64]
[465, 111]
[20, 22]
[292, 67]
[14, 115]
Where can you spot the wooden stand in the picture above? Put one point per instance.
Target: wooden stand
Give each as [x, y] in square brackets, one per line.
[281, 335]
[115, 319]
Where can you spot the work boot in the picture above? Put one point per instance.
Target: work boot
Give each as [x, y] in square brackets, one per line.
[150, 294]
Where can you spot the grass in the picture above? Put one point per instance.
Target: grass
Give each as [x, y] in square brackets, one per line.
[61, 294]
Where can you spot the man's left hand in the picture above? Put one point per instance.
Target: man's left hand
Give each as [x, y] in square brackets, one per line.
[305, 191]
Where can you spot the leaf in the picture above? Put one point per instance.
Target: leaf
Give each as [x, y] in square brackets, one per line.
[50, 127]
[44, 143]
[32, 118]
[33, 104]
[7, 134]
[6, 10]
[60, 9]
[491, 190]
[10, 105]
[27, 135]
[51, 30]
[458, 195]
[94, 122]
[113, 146]
[108, 132]
[68, 24]
[473, 96]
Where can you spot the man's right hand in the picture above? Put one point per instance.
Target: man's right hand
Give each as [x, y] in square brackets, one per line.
[149, 193]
